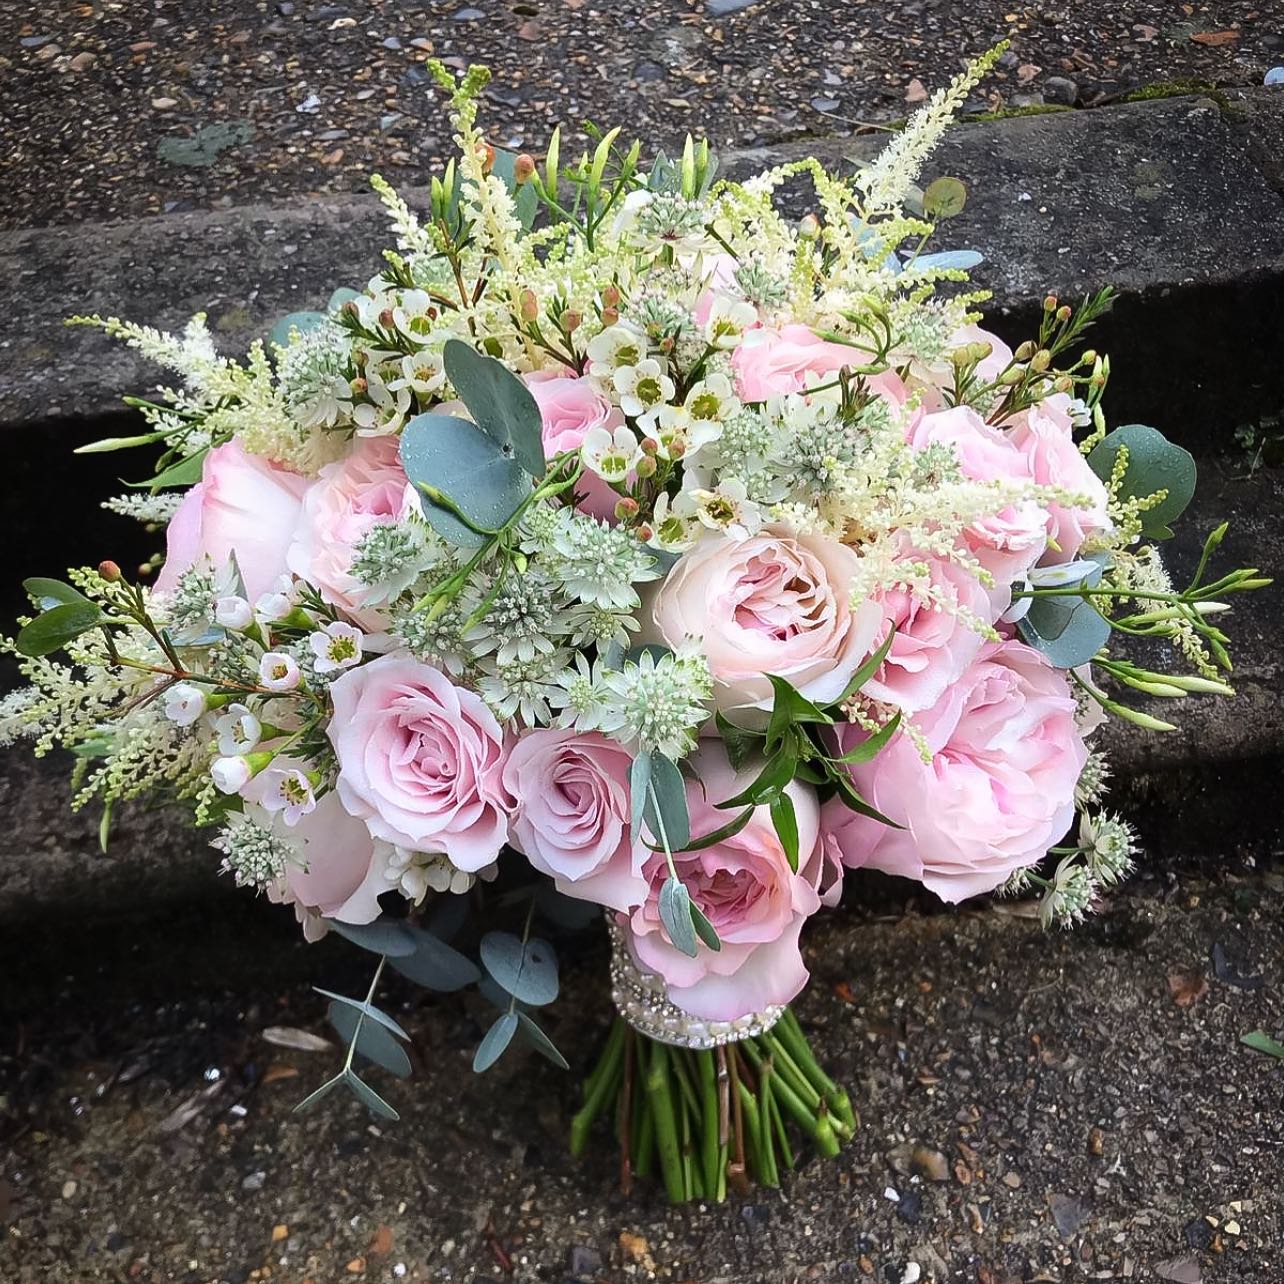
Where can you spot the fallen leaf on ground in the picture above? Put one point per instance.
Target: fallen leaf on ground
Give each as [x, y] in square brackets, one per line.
[915, 91]
[289, 1036]
[1215, 37]
[1186, 987]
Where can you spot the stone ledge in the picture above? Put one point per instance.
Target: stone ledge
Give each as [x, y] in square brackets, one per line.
[1172, 201]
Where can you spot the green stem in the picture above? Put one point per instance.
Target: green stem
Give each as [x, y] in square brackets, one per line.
[598, 1088]
[658, 1087]
[791, 1032]
[766, 1078]
[709, 1129]
[753, 1133]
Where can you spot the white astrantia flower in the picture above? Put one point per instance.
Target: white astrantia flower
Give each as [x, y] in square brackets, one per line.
[522, 689]
[642, 390]
[582, 700]
[233, 612]
[254, 855]
[615, 348]
[600, 564]
[230, 774]
[184, 703]
[1110, 844]
[279, 671]
[521, 619]
[336, 647]
[599, 626]
[611, 455]
[659, 705]
[238, 730]
[286, 791]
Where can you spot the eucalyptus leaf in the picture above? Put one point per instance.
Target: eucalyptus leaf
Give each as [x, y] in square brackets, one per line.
[344, 294]
[964, 260]
[500, 403]
[1154, 464]
[675, 914]
[528, 972]
[279, 334]
[540, 1041]
[54, 628]
[454, 462]
[367, 1009]
[944, 197]
[323, 1091]
[374, 1042]
[497, 996]
[704, 929]
[1068, 630]
[639, 791]
[388, 936]
[666, 804]
[368, 1097]
[434, 964]
[495, 1041]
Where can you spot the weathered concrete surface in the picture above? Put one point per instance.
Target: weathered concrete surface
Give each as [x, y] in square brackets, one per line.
[1088, 1125]
[1164, 199]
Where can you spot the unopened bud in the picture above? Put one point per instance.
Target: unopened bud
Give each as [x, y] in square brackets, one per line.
[650, 446]
[610, 296]
[677, 448]
[610, 316]
[571, 321]
[386, 318]
[487, 158]
[1050, 303]
[645, 532]
[626, 509]
[109, 571]
[1063, 384]
[1089, 358]
[646, 466]
[1025, 351]
[523, 168]
[1064, 313]
[358, 386]
[529, 305]
[1010, 378]
[809, 227]
[1041, 361]
[350, 309]
[666, 344]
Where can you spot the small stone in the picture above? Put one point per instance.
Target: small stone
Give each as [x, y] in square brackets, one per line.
[646, 71]
[362, 95]
[930, 1164]
[68, 1189]
[279, 1232]
[392, 42]
[583, 1262]
[915, 92]
[1027, 100]
[142, 46]
[34, 42]
[356, 1266]
[467, 15]
[826, 105]
[1231, 1228]
[910, 1207]
[1061, 89]
[48, 52]
[254, 1181]
[1067, 1212]
[718, 8]
[1197, 1233]
[285, 8]
[332, 158]
[83, 61]
[310, 105]
[1096, 1141]
[164, 104]
[422, 42]
[1012, 1181]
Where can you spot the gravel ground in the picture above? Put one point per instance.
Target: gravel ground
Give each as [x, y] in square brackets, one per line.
[122, 108]
[1036, 1108]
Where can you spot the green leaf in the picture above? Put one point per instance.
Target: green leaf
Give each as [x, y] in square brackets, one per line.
[387, 936]
[711, 839]
[495, 1041]
[186, 472]
[775, 775]
[1260, 1041]
[500, 403]
[785, 821]
[869, 748]
[323, 1091]
[374, 1042]
[639, 789]
[666, 804]
[1068, 630]
[528, 972]
[367, 1010]
[540, 1041]
[344, 294]
[944, 198]
[704, 929]
[789, 708]
[525, 199]
[740, 745]
[854, 802]
[1154, 464]
[675, 914]
[454, 462]
[868, 668]
[46, 594]
[434, 964]
[279, 334]
[56, 627]
[368, 1097]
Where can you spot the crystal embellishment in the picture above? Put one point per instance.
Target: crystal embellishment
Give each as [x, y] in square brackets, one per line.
[641, 999]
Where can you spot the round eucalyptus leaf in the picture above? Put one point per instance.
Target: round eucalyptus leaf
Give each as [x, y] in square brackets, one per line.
[495, 1041]
[500, 403]
[374, 1042]
[435, 965]
[1069, 631]
[367, 1009]
[1154, 464]
[279, 334]
[384, 936]
[369, 1097]
[341, 296]
[527, 972]
[944, 198]
[540, 1041]
[665, 806]
[455, 459]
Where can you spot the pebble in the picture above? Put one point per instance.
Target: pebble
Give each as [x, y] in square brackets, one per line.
[34, 42]
[164, 104]
[583, 1261]
[68, 1189]
[83, 61]
[721, 7]
[46, 52]
[826, 104]
[285, 8]
[254, 1181]
[467, 15]
[392, 42]
[1012, 1181]
[1061, 89]
[910, 1207]
[309, 106]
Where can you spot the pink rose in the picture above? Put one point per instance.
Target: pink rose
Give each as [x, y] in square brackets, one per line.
[420, 761]
[1045, 435]
[339, 875]
[769, 363]
[569, 408]
[348, 499]
[745, 888]
[573, 815]
[243, 504]
[773, 604]
[1012, 540]
[933, 645]
[998, 792]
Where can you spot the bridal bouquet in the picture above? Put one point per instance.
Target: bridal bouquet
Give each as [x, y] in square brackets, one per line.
[671, 555]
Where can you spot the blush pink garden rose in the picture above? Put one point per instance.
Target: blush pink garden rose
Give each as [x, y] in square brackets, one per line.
[933, 644]
[243, 504]
[745, 888]
[347, 500]
[769, 363]
[772, 603]
[1012, 540]
[339, 874]
[570, 407]
[573, 817]
[421, 761]
[1045, 436]
[998, 792]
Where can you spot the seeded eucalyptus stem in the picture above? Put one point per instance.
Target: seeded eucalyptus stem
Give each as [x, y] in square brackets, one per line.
[713, 1119]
